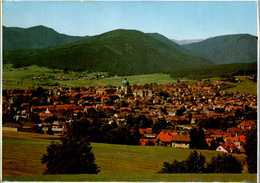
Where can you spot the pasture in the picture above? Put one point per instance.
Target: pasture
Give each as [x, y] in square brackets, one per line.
[22, 153]
[35, 76]
[48, 78]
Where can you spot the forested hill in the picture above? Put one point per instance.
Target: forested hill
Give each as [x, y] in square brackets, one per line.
[169, 42]
[119, 52]
[239, 48]
[15, 38]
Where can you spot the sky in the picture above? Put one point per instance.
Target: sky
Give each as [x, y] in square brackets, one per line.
[174, 19]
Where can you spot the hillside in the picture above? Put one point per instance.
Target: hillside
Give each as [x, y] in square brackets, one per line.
[224, 70]
[169, 42]
[119, 52]
[240, 48]
[15, 38]
[22, 153]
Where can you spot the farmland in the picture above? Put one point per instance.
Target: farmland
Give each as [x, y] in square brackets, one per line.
[22, 153]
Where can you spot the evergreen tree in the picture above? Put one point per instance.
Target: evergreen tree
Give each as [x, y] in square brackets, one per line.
[197, 139]
[74, 155]
[195, 163]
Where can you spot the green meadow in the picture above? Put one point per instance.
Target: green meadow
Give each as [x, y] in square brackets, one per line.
[23, 78]
[22, 154]
[47, 78]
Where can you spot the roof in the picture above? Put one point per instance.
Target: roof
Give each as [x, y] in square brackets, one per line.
[246, 123]
[181, 138]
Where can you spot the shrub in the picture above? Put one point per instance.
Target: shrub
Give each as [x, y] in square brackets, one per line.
[225, 163]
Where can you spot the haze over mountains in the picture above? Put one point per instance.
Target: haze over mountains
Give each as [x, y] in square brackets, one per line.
[186, 41]
[120, 52]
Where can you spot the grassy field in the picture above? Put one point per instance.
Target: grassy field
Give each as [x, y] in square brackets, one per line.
[23, 78]
[22, 153]
[245, 86]
[141, 178]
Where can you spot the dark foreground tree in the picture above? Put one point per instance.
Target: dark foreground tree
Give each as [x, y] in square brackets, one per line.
[251, 150]
[73, 155]
[225, 163]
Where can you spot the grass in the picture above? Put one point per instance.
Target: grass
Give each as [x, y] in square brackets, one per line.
[141, 178]
[245, 86]
[22, 153]
[23, 78]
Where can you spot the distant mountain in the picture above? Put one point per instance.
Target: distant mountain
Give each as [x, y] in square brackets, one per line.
[119, 52]
[15, 38]
[168, 42]
[238, 48]
[183, 42]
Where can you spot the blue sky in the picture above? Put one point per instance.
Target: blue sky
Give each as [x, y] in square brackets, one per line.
[173, 19]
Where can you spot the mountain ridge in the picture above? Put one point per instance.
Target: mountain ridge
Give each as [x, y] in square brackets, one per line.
[16, 38]
[226, 49]
[119, 52]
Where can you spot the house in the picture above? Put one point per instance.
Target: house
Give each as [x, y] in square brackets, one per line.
[44, 116]
[139, 93]
[181, 141]
[164, 138]
[227, 147]
[246, 125]
[57, 128]
[147, 140]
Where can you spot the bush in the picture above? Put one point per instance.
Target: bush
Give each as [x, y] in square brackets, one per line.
[175, 167]
[225, 163]
[196, 163]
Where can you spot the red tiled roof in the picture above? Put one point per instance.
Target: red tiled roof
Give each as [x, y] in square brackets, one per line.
[145, 130]
[181, 138]
[246, 123]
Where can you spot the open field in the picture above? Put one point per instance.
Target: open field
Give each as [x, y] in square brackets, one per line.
[23, 78]
[245, 86]
[22, 153]
[141, 178]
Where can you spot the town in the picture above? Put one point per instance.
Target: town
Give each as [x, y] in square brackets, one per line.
[151, 114]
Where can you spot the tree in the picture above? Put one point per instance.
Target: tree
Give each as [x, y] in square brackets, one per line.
[197, 139]
[73, 155]
[159, 125]
[174, 167]
[195, 163]
[225, 163]
[251, 150]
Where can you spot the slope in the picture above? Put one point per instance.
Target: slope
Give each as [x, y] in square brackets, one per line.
[240, 48]
[119, 52]
[15, 38]
[168, 42]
